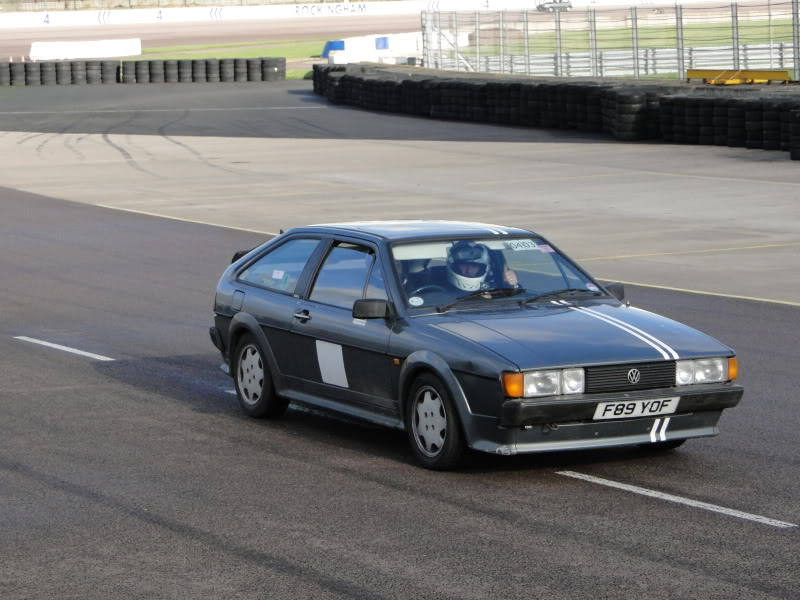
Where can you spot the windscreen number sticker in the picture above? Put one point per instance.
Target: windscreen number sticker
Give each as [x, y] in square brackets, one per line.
[519, 245]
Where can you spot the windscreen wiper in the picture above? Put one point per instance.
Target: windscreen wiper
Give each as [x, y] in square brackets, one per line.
[491, 292]
[571, 291]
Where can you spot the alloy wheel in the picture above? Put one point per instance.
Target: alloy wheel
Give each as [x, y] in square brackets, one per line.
[429, 421]
[250, 375]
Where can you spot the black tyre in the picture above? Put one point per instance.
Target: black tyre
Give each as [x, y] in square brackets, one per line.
[199, 70]
[63, 73]
[142, 71]
[434, 431]
[270, 69]
[226, 69]
[185, 70]
[109, 71]
[156, 71]
[212, 70]
[254, 386]
[17, 73]
[78, 68]
[94, 72]
[48, 73]
[5, 73]
[171, 71]
[240, 69]
[254, 69]
[33, 73]
[128, 72]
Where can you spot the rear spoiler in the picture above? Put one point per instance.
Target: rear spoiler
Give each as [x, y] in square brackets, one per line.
[240, 254]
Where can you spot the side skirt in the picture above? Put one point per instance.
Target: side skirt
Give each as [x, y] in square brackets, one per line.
[364, 414]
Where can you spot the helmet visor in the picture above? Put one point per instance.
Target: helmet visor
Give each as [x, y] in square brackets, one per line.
[469, 269]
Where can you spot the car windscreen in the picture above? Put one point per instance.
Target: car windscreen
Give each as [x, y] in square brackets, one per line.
[438, 272]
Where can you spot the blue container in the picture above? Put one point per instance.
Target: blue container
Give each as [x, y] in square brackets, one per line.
[330, 46]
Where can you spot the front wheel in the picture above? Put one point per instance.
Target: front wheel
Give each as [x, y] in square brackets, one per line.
[253, 382]
[432, 423]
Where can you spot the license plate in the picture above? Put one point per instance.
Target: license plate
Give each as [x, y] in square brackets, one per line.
[636, 408]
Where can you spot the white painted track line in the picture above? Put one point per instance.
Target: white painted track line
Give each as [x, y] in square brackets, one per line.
[63, 348]
[677, 499]
[151, 214]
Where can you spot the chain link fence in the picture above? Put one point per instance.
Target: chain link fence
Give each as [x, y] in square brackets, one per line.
[626, 42]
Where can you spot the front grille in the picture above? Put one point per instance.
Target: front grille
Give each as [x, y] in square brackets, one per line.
[614, 378]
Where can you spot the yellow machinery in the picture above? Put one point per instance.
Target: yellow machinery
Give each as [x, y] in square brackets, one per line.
[731, 77]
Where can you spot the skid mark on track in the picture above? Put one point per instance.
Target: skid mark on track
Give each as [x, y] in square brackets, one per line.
[122, 151]
[317, 129]
[41, 146]
[31, 137]
[199, 156]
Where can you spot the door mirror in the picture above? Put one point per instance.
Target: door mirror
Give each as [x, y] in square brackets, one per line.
[372, 309]
[617, 290]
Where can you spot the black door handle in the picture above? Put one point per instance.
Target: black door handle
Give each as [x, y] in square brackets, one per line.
[302, 315]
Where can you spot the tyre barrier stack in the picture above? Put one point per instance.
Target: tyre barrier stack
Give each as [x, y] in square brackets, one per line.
[212, 70]
[794, 122]
[93, 72]
[80, 72]
[757, 117]
[199, 70]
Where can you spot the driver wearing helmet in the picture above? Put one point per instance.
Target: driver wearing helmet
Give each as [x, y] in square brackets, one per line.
[468, 265]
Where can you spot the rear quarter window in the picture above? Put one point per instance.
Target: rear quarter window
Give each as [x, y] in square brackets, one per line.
[280, 269]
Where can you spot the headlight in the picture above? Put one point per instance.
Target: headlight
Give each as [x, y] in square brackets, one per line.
[542, 383]
[707, 370]
[572, 381]
[554, 382]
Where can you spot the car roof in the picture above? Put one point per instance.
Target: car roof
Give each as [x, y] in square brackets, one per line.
[418, 229]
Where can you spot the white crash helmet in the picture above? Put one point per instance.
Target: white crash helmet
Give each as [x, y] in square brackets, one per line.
[467, 265]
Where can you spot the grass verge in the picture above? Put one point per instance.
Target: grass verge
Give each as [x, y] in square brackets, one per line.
[290, 51]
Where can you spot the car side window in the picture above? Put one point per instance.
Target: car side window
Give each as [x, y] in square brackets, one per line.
[343, 275]
[280, 269]
[376, 286]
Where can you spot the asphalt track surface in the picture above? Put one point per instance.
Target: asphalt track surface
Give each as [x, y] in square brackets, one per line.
[140, 477]
[267, 157]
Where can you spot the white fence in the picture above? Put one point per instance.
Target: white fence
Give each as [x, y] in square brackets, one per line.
[629, 42]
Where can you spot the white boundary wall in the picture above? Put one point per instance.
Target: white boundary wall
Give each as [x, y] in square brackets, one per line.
[87, 18]
[88, 49]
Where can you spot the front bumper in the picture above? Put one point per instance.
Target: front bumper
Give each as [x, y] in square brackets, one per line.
[571, 409]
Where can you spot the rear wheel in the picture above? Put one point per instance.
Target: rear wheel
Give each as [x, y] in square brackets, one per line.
[432, 423]
[253, 382]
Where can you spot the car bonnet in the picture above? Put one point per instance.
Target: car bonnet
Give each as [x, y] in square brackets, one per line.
[583, 334]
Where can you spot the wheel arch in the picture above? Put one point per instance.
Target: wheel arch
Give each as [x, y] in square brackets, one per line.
[242, 324]
[425, 361]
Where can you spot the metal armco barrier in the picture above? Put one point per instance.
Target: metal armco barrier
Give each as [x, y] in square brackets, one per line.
[635, 42]
[756, 117]
[79, 72]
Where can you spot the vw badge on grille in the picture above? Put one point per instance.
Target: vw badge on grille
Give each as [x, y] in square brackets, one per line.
[634, 376]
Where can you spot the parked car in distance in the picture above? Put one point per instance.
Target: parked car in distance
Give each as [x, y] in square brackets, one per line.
[464, 335]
